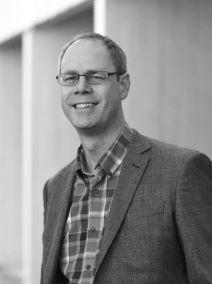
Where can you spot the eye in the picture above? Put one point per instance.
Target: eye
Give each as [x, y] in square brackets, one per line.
[96, 77]
[70, 77]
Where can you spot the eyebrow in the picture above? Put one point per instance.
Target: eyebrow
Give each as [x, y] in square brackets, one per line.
[88, 71]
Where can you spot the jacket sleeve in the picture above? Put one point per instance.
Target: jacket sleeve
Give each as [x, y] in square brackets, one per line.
[44, 203]
[194, 217]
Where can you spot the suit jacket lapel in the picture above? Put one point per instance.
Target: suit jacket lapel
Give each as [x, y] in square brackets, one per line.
[134, 165]
[57, 216]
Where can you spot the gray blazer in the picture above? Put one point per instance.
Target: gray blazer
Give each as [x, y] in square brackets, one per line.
[160, 224]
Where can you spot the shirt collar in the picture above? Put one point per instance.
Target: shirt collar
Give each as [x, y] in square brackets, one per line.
[111, 160]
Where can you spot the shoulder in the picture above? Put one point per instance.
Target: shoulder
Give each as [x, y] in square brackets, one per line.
[170, 155]
[179, 169]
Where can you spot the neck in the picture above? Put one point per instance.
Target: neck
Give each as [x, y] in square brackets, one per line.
[96, 143]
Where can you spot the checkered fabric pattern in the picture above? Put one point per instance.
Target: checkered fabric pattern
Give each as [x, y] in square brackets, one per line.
[91, 202]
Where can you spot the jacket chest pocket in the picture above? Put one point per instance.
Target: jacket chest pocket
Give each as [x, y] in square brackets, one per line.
[141, 208]
[147, 208]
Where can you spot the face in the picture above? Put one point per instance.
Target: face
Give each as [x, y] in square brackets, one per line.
[92, 107]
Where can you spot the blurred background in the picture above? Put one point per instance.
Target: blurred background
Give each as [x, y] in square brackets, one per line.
[169, 48]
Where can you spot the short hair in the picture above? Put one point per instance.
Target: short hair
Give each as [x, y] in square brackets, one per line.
[117, 54]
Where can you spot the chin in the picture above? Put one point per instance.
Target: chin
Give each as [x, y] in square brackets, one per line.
[83, 125]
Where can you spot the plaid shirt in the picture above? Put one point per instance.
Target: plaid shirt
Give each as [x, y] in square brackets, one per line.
[92, 198]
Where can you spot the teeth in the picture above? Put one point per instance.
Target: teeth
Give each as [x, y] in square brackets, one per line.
[84, 105]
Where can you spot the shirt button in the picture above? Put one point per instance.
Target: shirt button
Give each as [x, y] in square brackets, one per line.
[95, 191]
[93, 229]
[88, 266]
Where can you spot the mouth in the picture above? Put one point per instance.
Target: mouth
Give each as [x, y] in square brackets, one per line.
[84, 105]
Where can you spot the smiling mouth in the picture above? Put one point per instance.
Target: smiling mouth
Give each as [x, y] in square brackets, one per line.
[84, 105]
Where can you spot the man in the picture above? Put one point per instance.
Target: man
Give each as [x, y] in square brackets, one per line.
[128, 209]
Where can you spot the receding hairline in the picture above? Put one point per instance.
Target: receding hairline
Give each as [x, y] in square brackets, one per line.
[115, 52]
[73, 42]
[86, 39]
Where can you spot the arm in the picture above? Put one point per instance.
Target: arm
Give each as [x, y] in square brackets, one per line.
[194, 217]
[44, 202]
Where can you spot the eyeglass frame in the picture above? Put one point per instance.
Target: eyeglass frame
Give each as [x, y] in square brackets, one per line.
[108, 74]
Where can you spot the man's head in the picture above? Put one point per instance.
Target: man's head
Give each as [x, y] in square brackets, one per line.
[94, 82]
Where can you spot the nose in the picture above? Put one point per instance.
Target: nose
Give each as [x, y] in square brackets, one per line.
[82, 86]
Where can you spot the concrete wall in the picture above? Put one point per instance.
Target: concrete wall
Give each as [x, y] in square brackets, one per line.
[169, 49]
[10, 167]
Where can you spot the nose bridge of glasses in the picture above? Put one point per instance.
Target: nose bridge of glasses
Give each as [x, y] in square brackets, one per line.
[82, 81]
[82, 78]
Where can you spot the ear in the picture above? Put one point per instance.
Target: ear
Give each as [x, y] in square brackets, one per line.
[124, 85]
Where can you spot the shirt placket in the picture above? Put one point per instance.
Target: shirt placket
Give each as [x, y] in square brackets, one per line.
[95, 220]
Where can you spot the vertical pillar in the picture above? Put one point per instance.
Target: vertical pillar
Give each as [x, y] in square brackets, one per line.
[100, 16]
[10, 156]
[27, 95]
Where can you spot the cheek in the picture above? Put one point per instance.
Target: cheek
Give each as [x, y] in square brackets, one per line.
[111, 96]
[65, 94]
[64, 103]
[113, 100]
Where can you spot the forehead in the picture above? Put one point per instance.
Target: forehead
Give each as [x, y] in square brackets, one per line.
[85, 55]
